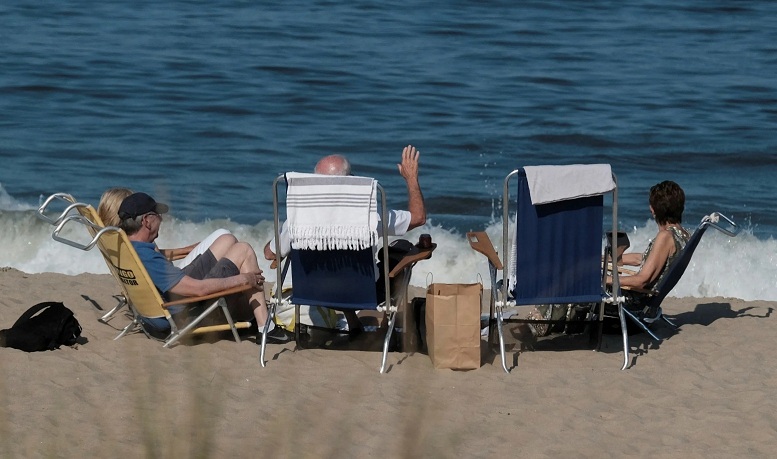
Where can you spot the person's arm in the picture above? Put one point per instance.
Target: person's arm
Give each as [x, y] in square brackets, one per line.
[268, 253]
[408, 168]
[631, 259]
[269, 248]
[189, 286]
[651, 269]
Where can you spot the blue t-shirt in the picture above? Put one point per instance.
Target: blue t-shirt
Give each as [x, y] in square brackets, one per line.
[163, 272]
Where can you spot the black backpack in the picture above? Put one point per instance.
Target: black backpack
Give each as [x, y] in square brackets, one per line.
[43, 327]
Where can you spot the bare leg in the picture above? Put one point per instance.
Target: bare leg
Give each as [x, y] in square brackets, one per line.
[244, 257]
[221, 246]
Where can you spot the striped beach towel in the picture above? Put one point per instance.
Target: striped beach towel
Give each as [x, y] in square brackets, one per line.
[327, 212]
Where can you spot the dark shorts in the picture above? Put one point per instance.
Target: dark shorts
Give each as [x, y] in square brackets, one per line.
[205, 266]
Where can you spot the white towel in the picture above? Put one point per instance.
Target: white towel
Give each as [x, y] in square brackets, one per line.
[327, 212]
[559, 183]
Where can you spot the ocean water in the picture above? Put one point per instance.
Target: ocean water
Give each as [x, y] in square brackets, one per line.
[203, 104]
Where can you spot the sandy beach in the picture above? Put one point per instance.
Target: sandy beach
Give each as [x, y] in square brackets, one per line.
[707, 390]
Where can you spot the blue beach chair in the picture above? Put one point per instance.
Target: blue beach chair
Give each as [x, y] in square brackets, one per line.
[675, 271]
[556, 257]
[335, 277]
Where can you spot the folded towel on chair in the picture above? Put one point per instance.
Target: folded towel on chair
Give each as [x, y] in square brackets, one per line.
[327, 212]
[558, 183]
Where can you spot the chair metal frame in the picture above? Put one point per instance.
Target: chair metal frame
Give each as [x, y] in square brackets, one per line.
[500, 298]
[389, 306]
[500, 295]
[88, 212]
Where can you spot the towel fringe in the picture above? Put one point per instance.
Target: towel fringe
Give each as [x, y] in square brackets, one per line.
[332, 237]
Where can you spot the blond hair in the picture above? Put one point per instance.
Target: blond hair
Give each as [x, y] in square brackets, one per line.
[108, 209]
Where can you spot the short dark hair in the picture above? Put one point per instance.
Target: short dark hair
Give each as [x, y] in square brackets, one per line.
[668, 202]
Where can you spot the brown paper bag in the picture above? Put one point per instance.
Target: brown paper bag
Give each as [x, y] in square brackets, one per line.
[453, 325]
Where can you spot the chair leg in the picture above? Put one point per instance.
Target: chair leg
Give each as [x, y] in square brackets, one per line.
[389, 331]
[624, 330]
[641, 325]
[175, 336]
[297, 327]
[665, 319]
[625, 336]
[109, 315]
[499, 322]
[492, 304]
[225, 309]
[131, 326]
[266, 328]
[135, 323]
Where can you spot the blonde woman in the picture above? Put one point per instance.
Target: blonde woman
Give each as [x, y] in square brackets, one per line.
[108, 209]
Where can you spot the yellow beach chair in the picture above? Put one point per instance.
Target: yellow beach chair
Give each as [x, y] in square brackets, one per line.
[139, 292]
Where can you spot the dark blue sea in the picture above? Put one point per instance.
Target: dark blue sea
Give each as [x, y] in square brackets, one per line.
[203, 104]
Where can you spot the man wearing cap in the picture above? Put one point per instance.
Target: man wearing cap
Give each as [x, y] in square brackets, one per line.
[227, 263]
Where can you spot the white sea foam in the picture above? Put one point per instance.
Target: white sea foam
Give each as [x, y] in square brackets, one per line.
[742, 267]
[7, 202]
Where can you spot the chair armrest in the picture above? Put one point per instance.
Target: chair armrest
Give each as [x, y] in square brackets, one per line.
[713, 220]
[638, 290]
[178, 254]
[622, 269]
[480, 242]
[219, 294]
[409, 260]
